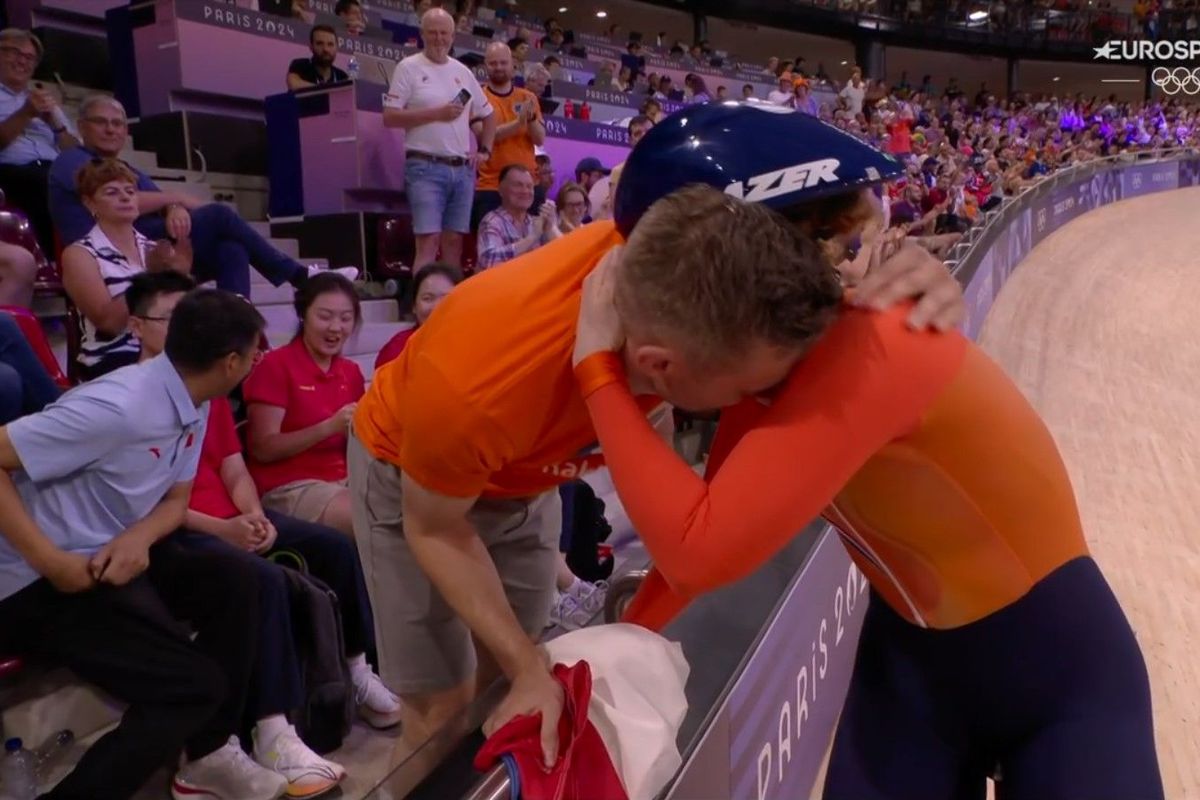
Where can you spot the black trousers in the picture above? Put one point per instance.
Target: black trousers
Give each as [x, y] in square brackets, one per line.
[217, 592]
[265, 673]
[125, 641]
[27, 187]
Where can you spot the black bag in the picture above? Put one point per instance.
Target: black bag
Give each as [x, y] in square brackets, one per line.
[327, 713]
[589, 529]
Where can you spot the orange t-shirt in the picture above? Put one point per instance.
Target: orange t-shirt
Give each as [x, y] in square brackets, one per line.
[516, 149]
[483, 400]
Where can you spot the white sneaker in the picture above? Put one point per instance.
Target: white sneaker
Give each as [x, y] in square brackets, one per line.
[227, 774]
[305, 773]
[579, 605]
[376, 703]
[349, 273]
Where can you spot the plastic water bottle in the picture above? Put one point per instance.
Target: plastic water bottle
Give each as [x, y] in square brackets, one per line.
[17, 774]
[53, 749]
[352, 68]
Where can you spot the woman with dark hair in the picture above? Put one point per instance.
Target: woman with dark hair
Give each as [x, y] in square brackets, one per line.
[697, 88]
[299, 403]
[431, 285]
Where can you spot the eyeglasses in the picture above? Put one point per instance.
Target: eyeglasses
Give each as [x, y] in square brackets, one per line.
[18, 54]
[104, 122]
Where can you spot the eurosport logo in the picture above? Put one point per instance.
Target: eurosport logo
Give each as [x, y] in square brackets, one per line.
[1140, 50]
[1174, 80]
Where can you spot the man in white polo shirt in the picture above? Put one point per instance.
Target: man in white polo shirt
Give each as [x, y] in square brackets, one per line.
[87, 486]
[434, 98]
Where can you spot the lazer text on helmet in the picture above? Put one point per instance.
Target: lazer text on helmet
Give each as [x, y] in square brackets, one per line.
[784, 181]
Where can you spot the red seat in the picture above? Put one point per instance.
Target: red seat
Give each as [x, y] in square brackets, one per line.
[469, 253]
[397, 248]
[37, 340]
[10, 666]
[16, 230]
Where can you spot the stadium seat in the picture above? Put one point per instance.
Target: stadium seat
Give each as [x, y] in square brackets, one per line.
[469, 253]
[74, 341]
[10, 668]
[16, 230]
[32, 328]
[397, 247]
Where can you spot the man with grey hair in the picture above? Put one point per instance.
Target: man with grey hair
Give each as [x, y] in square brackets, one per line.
[537, 80]
[224, 247]
[33, 131]
[434, 98]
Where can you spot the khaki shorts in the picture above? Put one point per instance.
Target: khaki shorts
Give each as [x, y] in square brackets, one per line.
[304, 500]
[423, 645]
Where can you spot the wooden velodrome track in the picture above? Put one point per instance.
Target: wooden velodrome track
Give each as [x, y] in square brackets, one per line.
[1097, 328]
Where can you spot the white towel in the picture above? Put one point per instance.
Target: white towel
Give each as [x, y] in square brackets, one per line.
[638, 700]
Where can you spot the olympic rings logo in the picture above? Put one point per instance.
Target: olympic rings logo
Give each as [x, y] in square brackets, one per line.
[1174, 81]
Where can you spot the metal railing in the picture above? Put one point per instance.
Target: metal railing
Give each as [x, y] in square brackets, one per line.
[966, 252]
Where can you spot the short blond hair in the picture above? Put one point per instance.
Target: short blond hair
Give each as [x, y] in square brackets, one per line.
[715, 273]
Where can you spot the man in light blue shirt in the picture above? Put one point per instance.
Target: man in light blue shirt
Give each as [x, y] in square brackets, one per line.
[33, 130]
[87, 486]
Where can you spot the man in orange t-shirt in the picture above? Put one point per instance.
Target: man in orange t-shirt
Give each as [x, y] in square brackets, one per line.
[461, 442]
[458, 447]
[520, 128]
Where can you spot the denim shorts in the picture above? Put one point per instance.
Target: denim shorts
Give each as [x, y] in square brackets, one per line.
[439, 196]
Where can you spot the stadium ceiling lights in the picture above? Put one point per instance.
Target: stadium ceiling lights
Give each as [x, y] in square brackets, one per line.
[601, 14]
[562, 10]
[977, 16]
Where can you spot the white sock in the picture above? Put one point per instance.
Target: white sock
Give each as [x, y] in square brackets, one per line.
[269, 728]
[359, 668]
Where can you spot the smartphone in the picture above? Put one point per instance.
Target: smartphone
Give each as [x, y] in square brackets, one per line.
[463, 97]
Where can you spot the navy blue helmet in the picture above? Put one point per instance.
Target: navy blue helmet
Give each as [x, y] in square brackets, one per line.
[753, 151]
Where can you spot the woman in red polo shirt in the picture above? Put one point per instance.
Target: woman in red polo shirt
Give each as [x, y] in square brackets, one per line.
[432, 284]
[300, 401]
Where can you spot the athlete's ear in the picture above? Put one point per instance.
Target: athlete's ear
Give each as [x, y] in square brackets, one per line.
[654, 361]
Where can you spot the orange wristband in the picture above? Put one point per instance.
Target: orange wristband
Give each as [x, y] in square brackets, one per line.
[597, 371]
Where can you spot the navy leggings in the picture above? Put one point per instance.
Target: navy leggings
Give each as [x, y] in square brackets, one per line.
[1050, 693]
[225, 247]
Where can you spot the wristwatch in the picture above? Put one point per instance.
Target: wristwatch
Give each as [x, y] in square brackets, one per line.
[487, 151]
